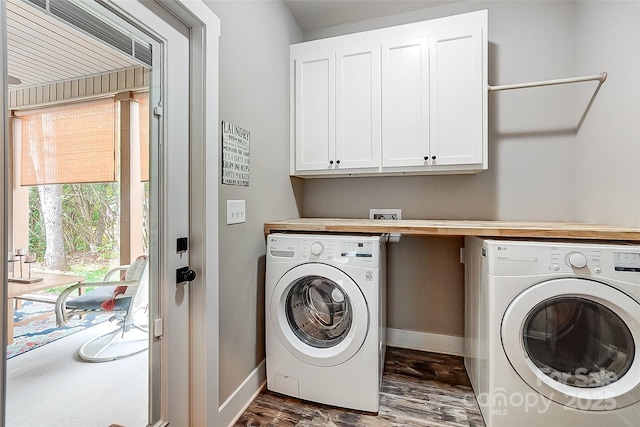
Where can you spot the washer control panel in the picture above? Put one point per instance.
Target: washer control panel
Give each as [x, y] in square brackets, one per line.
[578, 259]
[356, 251]
[626, 261]
[311, 248]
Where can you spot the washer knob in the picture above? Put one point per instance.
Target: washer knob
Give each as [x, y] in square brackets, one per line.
[316, 248]
[577, 260]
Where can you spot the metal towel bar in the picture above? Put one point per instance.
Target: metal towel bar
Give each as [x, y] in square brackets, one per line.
[600, 77]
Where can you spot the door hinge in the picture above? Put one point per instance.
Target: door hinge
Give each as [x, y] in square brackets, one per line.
[462, 255]
[157, 111]
[158, 328]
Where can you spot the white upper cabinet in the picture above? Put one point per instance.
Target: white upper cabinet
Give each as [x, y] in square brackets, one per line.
[405, 103]
[337, 109]
[358, 108]
[315, 127]
[410, 99]
[456, 98]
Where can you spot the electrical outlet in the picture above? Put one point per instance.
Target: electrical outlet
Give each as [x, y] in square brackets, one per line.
[385, 213]
[236, 212]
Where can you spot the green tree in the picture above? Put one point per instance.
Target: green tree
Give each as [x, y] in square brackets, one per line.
[88, 215]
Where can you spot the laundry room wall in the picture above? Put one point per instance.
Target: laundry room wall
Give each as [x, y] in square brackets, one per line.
[531, 176]
[254, 94]
[608, 143]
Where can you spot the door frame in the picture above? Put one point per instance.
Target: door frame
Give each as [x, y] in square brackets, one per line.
[4, 123]
[204, 28]
[204, 333]
[203, 392]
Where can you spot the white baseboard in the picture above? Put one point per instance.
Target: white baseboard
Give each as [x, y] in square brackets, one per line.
[447, 344]
[241, 398]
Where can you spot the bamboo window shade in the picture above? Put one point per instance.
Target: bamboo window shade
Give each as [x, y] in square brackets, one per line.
[70, 144]
[78, 143]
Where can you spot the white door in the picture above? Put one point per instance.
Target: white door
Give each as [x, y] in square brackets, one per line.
[4, 195]
[171, 397]
[169, 171]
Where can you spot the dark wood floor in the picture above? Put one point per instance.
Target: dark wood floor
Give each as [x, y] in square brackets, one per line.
[418, 389]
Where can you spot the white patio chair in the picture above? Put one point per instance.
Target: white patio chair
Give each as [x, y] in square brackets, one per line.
[127, 301]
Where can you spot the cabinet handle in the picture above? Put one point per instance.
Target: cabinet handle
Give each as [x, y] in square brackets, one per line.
[330, 162]
[433, 157]
[426, 157]
[337, 162]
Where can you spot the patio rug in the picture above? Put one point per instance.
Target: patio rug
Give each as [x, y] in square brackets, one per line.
[42, 330]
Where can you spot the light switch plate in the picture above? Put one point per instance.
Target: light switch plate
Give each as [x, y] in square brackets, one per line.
[236, 212]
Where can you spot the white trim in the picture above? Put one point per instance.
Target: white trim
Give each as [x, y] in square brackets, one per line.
[424, 341]
[233, 408]
[4, 161]
[204, 297]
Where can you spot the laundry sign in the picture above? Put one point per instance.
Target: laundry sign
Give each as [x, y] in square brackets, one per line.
[235, 155]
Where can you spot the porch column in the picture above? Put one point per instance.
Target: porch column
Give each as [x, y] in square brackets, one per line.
[18, 200]
[131, 186]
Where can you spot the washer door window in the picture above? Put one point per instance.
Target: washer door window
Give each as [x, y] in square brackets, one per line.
[318, 311]
[319, 314]
[575, 342]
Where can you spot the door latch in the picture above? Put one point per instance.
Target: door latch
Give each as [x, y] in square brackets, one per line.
[185, 274]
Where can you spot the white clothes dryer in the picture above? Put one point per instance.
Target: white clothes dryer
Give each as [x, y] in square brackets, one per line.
[552, 334]
[325, 313]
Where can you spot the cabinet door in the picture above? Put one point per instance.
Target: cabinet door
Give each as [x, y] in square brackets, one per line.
[405, 103]
[315, 111]
[456, 98]
[358, 107]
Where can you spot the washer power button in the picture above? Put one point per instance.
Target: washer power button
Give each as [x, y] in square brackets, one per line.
[317, 248]
[577, 260]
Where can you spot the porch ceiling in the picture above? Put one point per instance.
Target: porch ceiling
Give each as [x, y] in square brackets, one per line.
[42, 49]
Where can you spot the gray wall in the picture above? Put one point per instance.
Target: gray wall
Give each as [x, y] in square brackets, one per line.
[254, 94]
[540, 167]
[608, 144]
[531, 172]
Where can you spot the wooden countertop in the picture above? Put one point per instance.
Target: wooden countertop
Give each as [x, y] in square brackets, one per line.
[523, 229]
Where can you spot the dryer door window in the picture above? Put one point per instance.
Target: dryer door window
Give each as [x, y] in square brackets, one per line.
[578, 342]
[318, 311]
[575, 341]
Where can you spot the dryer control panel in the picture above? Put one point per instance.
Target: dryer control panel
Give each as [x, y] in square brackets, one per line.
[531, 258]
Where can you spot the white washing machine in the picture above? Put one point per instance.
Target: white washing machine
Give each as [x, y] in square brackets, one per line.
[552, 334]
[325, 318]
